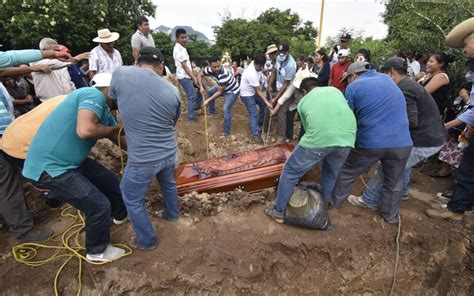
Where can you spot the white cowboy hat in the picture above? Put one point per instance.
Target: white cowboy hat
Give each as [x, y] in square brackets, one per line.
[105, 36]
[456, 37]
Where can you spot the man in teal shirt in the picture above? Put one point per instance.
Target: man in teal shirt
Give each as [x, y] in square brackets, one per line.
[330, 127]
[57, 160]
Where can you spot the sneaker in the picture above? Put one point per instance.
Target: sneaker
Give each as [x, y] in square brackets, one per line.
[36, 235]
[274, 214]
[358, 201]
[110, 253]
[406, 197]
[120, 221]
[446, 214]
[444, 196]
[134, 245]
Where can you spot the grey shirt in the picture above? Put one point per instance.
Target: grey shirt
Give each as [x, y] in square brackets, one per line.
[139, 40]
[426, 126]
[149, 106]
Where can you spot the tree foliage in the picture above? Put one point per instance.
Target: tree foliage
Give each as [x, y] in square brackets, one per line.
[422, 26]
[73, 23]
[243, 38]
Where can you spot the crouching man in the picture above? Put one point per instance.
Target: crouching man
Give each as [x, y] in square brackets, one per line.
[57, 161]
[330, 127]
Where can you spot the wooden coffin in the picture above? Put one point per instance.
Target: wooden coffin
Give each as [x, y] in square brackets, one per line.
[247, 171]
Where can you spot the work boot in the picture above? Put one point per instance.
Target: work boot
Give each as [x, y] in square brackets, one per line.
[35, 235]
[444, 214]
[109, 254]
[358, 201]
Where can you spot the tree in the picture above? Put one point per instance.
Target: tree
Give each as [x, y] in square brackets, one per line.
[243, 38]
[165, 44]
[72, 23]
[422, 26]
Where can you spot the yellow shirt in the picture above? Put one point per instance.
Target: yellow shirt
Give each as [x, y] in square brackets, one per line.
[17, 137]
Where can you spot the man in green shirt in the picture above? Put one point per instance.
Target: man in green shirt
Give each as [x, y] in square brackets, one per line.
[330, 127]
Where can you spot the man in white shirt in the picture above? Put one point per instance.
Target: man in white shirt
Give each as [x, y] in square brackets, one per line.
[252, 94]
[104, 57]
[413, 64]
[54, 83]
[142, 37]
[184, 72]
[344, 43]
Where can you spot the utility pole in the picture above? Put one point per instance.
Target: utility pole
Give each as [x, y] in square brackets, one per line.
[320, 31]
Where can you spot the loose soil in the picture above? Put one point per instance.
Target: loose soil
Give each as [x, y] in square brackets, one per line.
[224, 244]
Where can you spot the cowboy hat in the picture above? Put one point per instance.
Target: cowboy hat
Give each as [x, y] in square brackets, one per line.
[105, 36]
[456, 37]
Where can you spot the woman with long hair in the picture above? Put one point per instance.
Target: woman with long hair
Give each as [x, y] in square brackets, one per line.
[321, 67]
[436, 81]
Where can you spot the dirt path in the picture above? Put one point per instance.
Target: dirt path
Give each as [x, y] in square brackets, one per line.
[225, 245]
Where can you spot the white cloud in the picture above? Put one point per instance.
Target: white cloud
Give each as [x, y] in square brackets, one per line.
[203, 14]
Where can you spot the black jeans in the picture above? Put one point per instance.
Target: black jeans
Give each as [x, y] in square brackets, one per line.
[12, 200]
[463, 195]
[94, 190]
[393, 165]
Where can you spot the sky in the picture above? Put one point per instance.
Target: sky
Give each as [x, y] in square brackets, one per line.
[202, 15]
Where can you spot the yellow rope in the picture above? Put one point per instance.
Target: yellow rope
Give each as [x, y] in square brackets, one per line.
[26, 253]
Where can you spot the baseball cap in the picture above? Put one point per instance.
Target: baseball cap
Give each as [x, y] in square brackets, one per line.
[150, 54]
[284, 46]
[63, 48]
[396, 63]
[101, 80]
[355, 68]
[271, 48]
[346, 36]
[342, 53]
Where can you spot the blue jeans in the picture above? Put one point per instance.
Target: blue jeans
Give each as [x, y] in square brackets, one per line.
[373, 192]
[261, 109]
[229, 100]
[300, 162]
[135, 183]
[251, 106]
[94, 190]
[188, 86]
[211, 107]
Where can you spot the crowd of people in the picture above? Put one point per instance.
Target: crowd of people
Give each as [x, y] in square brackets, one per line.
[55, 106]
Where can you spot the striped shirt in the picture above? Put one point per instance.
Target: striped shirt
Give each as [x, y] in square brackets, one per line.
[224, 78]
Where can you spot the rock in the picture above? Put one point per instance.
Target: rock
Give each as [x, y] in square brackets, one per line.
[233, 137]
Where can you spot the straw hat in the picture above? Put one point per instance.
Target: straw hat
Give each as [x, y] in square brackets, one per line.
[456, 37]
[271, 48]
[105, 36]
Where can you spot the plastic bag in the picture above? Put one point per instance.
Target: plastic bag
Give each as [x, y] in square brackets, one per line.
[306, 208]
